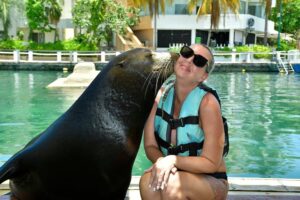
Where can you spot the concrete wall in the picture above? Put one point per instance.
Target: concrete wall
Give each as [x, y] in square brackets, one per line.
[220, 67]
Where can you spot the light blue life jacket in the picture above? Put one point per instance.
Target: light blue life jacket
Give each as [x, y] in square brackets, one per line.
[190, 136]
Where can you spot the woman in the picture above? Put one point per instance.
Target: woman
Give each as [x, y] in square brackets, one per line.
[184, 135]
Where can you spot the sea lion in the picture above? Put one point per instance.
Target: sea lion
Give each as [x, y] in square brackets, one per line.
[88, 152]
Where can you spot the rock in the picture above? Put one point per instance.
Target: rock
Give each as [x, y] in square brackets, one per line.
[83, 74]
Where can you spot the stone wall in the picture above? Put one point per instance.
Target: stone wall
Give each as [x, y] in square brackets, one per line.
[220, 67]
[42, 66]
[248, 67]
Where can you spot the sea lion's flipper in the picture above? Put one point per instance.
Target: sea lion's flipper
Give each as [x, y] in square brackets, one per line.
[12, 168]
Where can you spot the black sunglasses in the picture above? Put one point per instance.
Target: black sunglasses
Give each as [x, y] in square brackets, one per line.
[198, 60]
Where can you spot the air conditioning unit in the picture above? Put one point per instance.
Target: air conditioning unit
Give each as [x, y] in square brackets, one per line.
[250, 22]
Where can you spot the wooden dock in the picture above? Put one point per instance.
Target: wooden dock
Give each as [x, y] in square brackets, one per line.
[240, 189]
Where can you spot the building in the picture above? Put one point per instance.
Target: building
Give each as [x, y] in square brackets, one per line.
[175, 26]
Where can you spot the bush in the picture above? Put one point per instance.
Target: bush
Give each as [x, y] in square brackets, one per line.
[12, 45]
[227, 49]
[266, 52]
[287, 45]
[68, 45]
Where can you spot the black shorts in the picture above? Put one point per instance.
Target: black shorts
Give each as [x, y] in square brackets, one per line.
[219, 175]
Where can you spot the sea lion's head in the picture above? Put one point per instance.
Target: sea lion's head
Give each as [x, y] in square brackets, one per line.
[140, 70]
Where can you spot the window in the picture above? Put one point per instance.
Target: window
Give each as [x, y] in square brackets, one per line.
[242, 9]
[38, 37]
[255, 9]
[165, 38]
[181, 9]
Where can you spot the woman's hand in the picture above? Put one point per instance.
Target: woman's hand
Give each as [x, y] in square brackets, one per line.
[160, 172]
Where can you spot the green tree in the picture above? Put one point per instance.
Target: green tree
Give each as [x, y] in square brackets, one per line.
[43, 15]
[101, 18]
[290, 19]
[290, 16]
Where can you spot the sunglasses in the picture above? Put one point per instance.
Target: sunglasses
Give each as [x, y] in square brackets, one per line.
[198, 60]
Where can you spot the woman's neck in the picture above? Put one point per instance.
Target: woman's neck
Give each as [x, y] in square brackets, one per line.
[183, 89]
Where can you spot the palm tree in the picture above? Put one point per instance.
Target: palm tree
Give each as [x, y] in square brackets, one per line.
[54, 13]
[268, 6]
[4, 16]
[213, 7]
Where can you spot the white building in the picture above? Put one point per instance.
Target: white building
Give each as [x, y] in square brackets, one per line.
[176, 26]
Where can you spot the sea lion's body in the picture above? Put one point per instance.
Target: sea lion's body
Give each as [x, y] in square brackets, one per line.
[89, 151]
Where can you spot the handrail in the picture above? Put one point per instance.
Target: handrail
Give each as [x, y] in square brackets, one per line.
[105, 57]
[59, 56]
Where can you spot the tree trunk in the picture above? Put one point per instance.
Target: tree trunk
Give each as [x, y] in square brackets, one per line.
[30, 35]
[6, 25]
[266, 31]
[208, 37]
[298, 39]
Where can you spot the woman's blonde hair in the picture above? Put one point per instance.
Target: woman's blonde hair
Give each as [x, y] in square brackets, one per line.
[210, 64]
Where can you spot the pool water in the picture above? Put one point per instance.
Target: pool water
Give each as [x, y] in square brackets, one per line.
[263, 111]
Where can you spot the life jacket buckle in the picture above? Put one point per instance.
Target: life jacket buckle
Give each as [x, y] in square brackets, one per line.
[172, 150]
[175, 123]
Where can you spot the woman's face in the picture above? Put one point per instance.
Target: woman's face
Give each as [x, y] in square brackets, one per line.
[186, 69]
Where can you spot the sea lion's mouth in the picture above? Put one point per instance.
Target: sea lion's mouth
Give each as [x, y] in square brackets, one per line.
[164, 62]
[162, 68]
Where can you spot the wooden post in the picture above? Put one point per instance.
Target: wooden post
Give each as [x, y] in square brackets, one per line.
[58, 56]
[248, 57]
[30, 56]
[233, 56]
[16, 54]
[102, 57]
[75, 57]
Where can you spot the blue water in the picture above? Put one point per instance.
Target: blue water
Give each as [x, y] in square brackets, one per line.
[263, 111]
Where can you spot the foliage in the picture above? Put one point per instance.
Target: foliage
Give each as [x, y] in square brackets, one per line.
[101, 18]
[68, 45]
[227, 49]
[175, 48]
[287, 45]
[43, 15]
[263, 51]
[290, 16]
[12, 45]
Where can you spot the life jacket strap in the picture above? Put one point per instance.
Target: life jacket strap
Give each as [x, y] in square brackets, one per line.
[175, 150]
[175, 123]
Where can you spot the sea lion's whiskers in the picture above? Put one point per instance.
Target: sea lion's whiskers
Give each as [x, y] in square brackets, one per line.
[157, 79]
[147, 83]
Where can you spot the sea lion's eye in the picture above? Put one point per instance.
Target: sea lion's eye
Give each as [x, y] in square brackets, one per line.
[121, 64]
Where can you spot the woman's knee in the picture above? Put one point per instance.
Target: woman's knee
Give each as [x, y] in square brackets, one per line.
[147, 192]
[174, 189]
[144, 181]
